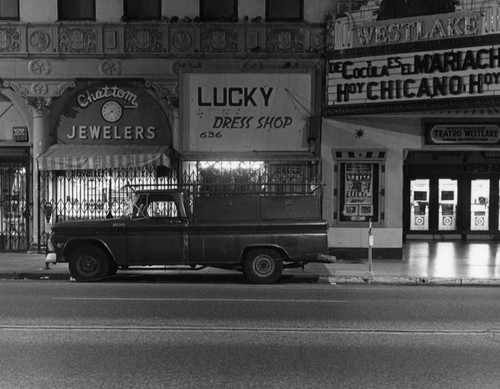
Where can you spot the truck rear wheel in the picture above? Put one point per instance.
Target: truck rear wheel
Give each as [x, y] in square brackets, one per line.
[262, 266]
[89, 263]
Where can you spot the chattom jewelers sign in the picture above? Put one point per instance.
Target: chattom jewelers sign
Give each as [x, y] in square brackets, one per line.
[411, 77]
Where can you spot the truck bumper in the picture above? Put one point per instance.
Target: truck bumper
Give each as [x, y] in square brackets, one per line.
[325, 258]
[50, 258]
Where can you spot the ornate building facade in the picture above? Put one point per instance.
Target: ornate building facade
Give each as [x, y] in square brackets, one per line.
[100, 95]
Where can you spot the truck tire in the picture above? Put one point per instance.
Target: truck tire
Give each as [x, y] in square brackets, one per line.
[262, 266]
[89, 263]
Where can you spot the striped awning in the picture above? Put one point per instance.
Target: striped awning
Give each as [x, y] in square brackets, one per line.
[90, 157]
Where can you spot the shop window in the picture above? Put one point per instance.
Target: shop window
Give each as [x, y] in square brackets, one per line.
[142, 10]
[76, 9]
[219, 10]
[359, 189]
[284, 10]
[221, 178]
[9, 9]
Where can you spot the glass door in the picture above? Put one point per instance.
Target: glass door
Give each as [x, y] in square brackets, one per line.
[419, 204]
[448, 200]
[480, 203]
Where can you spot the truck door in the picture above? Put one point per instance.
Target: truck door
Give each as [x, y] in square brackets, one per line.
[156, 233]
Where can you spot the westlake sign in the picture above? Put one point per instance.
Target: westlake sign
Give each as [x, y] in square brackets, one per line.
[246, 112]
[423, 28]
[445, 74]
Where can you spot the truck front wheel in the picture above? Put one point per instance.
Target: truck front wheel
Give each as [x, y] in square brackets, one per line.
[262, 266]
[89, 263]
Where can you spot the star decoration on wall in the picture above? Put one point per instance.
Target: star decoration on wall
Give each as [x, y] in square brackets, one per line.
[360, 133]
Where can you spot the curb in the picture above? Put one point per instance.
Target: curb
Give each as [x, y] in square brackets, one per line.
[33, 276]
[403, 280]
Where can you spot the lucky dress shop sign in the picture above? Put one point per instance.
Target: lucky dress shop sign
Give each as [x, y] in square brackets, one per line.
[235, 112]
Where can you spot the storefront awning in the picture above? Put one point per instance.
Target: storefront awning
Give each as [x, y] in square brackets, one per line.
[91, 157]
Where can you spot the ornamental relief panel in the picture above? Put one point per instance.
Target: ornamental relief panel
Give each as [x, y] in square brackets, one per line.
[39, 40]
[281, 40]
[77, 40]
[219, 39]
[39, 67]
[39, 88]
[9, 40]
[143, 39]
[182, 40]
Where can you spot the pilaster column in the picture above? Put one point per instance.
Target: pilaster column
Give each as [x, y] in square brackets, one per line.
[40, 108]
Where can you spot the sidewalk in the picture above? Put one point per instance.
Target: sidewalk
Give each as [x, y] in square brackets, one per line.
[424, 263]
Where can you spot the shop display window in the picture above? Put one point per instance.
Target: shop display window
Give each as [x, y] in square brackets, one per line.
[9, 9]
[359, 191]
[219, 10]
[142, 10]
[284, 10]
[76, 9]
[220, 178]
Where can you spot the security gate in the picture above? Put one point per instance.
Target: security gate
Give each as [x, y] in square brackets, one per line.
[15, 209]
[92, 194]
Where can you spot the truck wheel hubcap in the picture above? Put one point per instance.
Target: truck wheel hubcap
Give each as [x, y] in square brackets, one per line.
[88, 264]
[264, 266]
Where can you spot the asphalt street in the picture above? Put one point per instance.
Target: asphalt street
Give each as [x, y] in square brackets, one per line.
[60, 334]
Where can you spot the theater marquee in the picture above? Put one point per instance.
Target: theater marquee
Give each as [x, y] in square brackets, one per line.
[414, 77]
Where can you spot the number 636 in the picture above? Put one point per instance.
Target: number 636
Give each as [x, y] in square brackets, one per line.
[211, 134]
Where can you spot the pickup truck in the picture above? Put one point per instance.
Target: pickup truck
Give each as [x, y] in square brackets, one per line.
[256, 234]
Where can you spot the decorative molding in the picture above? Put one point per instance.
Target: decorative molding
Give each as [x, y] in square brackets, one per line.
[182, 40]
[143, 39]
[81, 39]
[184, 66]
[62, 86]
[10, 40]
[168, 90]
[39, 67]
[251, 65]
[111, 39]
[16, 87]
[40, 106]
[39, 40]
[110, 67]
[285, 39]
[178, 38]
[219, 39]
[38, 89]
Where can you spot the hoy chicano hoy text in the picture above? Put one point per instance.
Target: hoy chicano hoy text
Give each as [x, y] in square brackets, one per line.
[397, 77]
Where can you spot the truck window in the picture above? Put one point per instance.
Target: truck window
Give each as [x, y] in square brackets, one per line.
[162, 208]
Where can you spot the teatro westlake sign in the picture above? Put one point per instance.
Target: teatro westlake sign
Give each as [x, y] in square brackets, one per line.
[462, 131]
[113, 114]
[409, 77]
